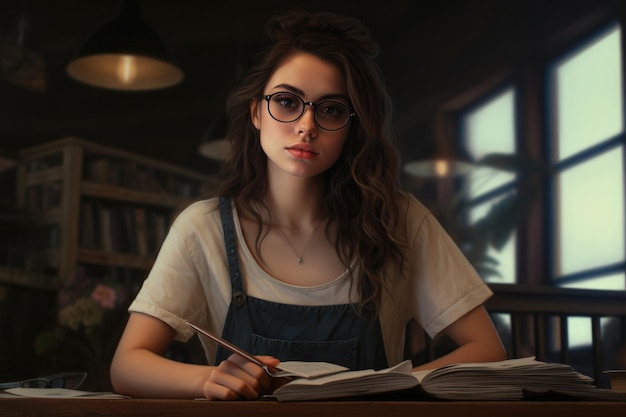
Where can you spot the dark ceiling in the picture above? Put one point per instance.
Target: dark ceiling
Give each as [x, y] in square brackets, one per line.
[431, 50]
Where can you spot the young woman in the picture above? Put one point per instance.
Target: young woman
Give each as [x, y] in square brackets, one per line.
[312, 252]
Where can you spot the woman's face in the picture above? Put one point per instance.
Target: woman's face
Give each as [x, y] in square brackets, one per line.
[301, 148]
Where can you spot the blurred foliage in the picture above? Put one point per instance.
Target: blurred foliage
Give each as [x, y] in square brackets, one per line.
[90, 317]
[510, 209]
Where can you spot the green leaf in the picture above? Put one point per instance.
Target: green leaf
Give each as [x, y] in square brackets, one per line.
[49, 341]
[516, 163]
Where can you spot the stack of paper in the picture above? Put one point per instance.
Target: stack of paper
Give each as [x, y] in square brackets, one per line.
[505, 380]
[513, 379]
[348, 384]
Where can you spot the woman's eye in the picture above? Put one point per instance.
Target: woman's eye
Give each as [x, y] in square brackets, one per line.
[288, 102]
[331, 109]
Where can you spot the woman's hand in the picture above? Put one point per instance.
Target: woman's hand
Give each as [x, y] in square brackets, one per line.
[237, 378]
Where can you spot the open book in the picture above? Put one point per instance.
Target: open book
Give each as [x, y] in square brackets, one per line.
[512, 379]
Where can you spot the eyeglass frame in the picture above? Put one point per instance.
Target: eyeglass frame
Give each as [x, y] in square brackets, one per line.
[48, 381]
[351, 113]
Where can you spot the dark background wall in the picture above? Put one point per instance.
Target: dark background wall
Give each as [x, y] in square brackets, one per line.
[430, 52]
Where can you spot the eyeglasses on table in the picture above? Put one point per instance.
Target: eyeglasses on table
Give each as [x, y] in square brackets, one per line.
[69, 380]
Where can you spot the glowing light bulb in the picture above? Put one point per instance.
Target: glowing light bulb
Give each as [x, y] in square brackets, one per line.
[127, 69]
[442, 167]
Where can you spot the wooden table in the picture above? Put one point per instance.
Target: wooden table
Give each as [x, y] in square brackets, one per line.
[35, 407]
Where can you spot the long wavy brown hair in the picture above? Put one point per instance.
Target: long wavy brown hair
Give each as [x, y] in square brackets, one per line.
[362, 195]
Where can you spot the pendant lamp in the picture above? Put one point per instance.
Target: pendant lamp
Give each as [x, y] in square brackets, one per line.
[441, 160]
[443, 155]
[125, 53]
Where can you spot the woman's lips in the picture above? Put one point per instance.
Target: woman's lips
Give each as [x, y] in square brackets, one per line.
[302, 151]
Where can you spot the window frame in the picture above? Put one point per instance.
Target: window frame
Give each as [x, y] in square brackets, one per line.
[535, 239]
[571, 50]
[501, 190]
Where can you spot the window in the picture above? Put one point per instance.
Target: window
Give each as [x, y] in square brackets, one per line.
[586, 207]
[488, 128]
[586, 150]
[577, 118]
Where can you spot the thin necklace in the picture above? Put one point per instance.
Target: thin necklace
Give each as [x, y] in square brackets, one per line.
[300, 258]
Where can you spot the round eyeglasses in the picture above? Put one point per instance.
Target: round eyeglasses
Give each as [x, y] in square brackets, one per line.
[328, 114]
[70, 380]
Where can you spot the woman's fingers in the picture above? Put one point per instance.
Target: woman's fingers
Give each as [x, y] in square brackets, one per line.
[238, 378]
[268, 360]
[224, 386]
[256, 371]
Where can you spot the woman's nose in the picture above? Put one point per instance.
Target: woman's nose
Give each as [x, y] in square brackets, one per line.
[306, 122]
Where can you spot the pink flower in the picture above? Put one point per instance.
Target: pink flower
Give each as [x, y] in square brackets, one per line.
[104, 295]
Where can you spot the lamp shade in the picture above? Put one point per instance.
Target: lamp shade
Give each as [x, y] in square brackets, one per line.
[449, 160]
[125, 53]
[443, 153]
[214, 144]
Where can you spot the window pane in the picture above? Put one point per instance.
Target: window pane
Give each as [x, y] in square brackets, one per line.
[502, 323]
[580, 327]
[589, 96]
[609, 282]
[505, 257]
[590, 216]
[580, 333]
[489, 129]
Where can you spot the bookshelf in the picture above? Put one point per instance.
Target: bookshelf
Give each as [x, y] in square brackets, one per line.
[92, 205]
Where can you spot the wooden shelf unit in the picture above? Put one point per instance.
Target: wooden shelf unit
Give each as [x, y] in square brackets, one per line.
[88, 199]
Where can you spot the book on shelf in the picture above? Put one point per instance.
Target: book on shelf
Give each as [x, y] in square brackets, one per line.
[159, 227]
[122, 228]
[88, 235]
[141, 229]
[44, 196]
[512, 379]
[106, 239]
[103, 170]
[128, 233]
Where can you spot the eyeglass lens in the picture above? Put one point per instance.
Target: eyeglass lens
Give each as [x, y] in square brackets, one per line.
[35, 383]
[74, 380]
[69, 381]
[329, 114]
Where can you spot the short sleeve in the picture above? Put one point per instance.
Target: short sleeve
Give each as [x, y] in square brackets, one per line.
[445, 285]
[189, 279]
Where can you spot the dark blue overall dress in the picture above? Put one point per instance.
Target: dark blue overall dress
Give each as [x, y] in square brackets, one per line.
[334, 333]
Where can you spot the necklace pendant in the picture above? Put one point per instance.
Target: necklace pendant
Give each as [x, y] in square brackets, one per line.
[300, 260]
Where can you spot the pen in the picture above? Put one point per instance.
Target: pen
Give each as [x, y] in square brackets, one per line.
[227, 345]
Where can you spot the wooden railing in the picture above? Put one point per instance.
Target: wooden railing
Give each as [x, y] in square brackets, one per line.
[539, 324]
[533, 321]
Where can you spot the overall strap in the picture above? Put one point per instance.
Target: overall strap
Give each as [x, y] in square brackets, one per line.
[230, 243]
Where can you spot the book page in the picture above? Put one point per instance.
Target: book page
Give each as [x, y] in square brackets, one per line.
[512, 379]
[61, 393]
[509, 363]
[401, 368]
[348, 383]
[308, 369]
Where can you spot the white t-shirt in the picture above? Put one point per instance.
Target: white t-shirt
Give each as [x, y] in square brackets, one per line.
[190, 281]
